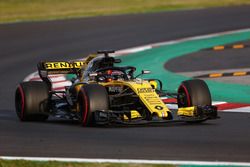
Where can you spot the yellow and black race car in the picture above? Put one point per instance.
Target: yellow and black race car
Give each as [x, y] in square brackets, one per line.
[103, 94]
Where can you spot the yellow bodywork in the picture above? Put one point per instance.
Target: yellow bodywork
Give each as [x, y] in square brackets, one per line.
[144, 89]
[149, 98]
[153, 84]
[134, 115]
[186, 111]
[146, 94]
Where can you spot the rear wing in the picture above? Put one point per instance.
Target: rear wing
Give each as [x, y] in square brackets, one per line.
[61, 67]
[64, 67]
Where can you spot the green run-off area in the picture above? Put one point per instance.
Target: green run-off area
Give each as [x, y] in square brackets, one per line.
[154, 60]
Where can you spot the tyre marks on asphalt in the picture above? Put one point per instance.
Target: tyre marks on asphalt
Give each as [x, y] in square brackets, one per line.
[223, 61]
[234, 76]
[225, 73]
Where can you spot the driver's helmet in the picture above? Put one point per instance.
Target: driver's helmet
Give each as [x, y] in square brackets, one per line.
[114, 75]
[98, 63]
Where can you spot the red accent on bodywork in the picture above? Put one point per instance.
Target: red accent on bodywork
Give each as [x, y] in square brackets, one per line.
[170, 100]
[59, 88]
[109, 72]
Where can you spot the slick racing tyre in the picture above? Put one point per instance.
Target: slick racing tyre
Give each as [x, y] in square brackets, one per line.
[193, 93]
[31, 101]
[91, 98]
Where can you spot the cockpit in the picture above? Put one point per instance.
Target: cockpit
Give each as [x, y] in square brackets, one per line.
[102, 69]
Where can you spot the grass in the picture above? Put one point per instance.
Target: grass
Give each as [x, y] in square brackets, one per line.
[29, 10]
[18, 163]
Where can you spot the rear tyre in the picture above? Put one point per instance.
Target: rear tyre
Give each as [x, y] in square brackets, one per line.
[193, 93]
[91, 98]
[31, 101]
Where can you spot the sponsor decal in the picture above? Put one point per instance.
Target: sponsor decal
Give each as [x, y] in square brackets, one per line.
[115, 89]
[145, 90]
[152, 99]
[63, 65]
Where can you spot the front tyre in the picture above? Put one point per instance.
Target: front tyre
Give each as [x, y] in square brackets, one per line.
[31, 101]
[193, 93]
[91, 98]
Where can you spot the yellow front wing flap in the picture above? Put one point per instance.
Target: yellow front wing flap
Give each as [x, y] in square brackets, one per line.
[187, 111]
[134, 115]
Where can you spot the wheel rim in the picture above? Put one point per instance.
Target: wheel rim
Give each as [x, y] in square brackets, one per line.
[183, 97]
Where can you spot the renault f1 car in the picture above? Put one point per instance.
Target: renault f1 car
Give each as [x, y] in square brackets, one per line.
[103, 93]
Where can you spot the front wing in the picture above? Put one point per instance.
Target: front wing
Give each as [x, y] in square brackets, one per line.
[197, 114]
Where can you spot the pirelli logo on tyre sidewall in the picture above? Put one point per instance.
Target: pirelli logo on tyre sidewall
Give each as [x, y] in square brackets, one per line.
[62, 65]
[145, 90]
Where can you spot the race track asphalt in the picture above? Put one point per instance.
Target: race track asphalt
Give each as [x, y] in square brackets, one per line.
[22, 45]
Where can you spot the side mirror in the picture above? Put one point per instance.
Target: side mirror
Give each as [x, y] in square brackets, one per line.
[93, 74]
[145, 72]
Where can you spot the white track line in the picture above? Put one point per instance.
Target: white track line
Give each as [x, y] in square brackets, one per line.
[150, 46]
[128, 161]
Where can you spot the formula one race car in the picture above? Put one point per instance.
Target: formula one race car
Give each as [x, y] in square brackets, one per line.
[103, 94]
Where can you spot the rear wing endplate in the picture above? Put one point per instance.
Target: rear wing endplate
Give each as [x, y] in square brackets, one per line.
[48, 68]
